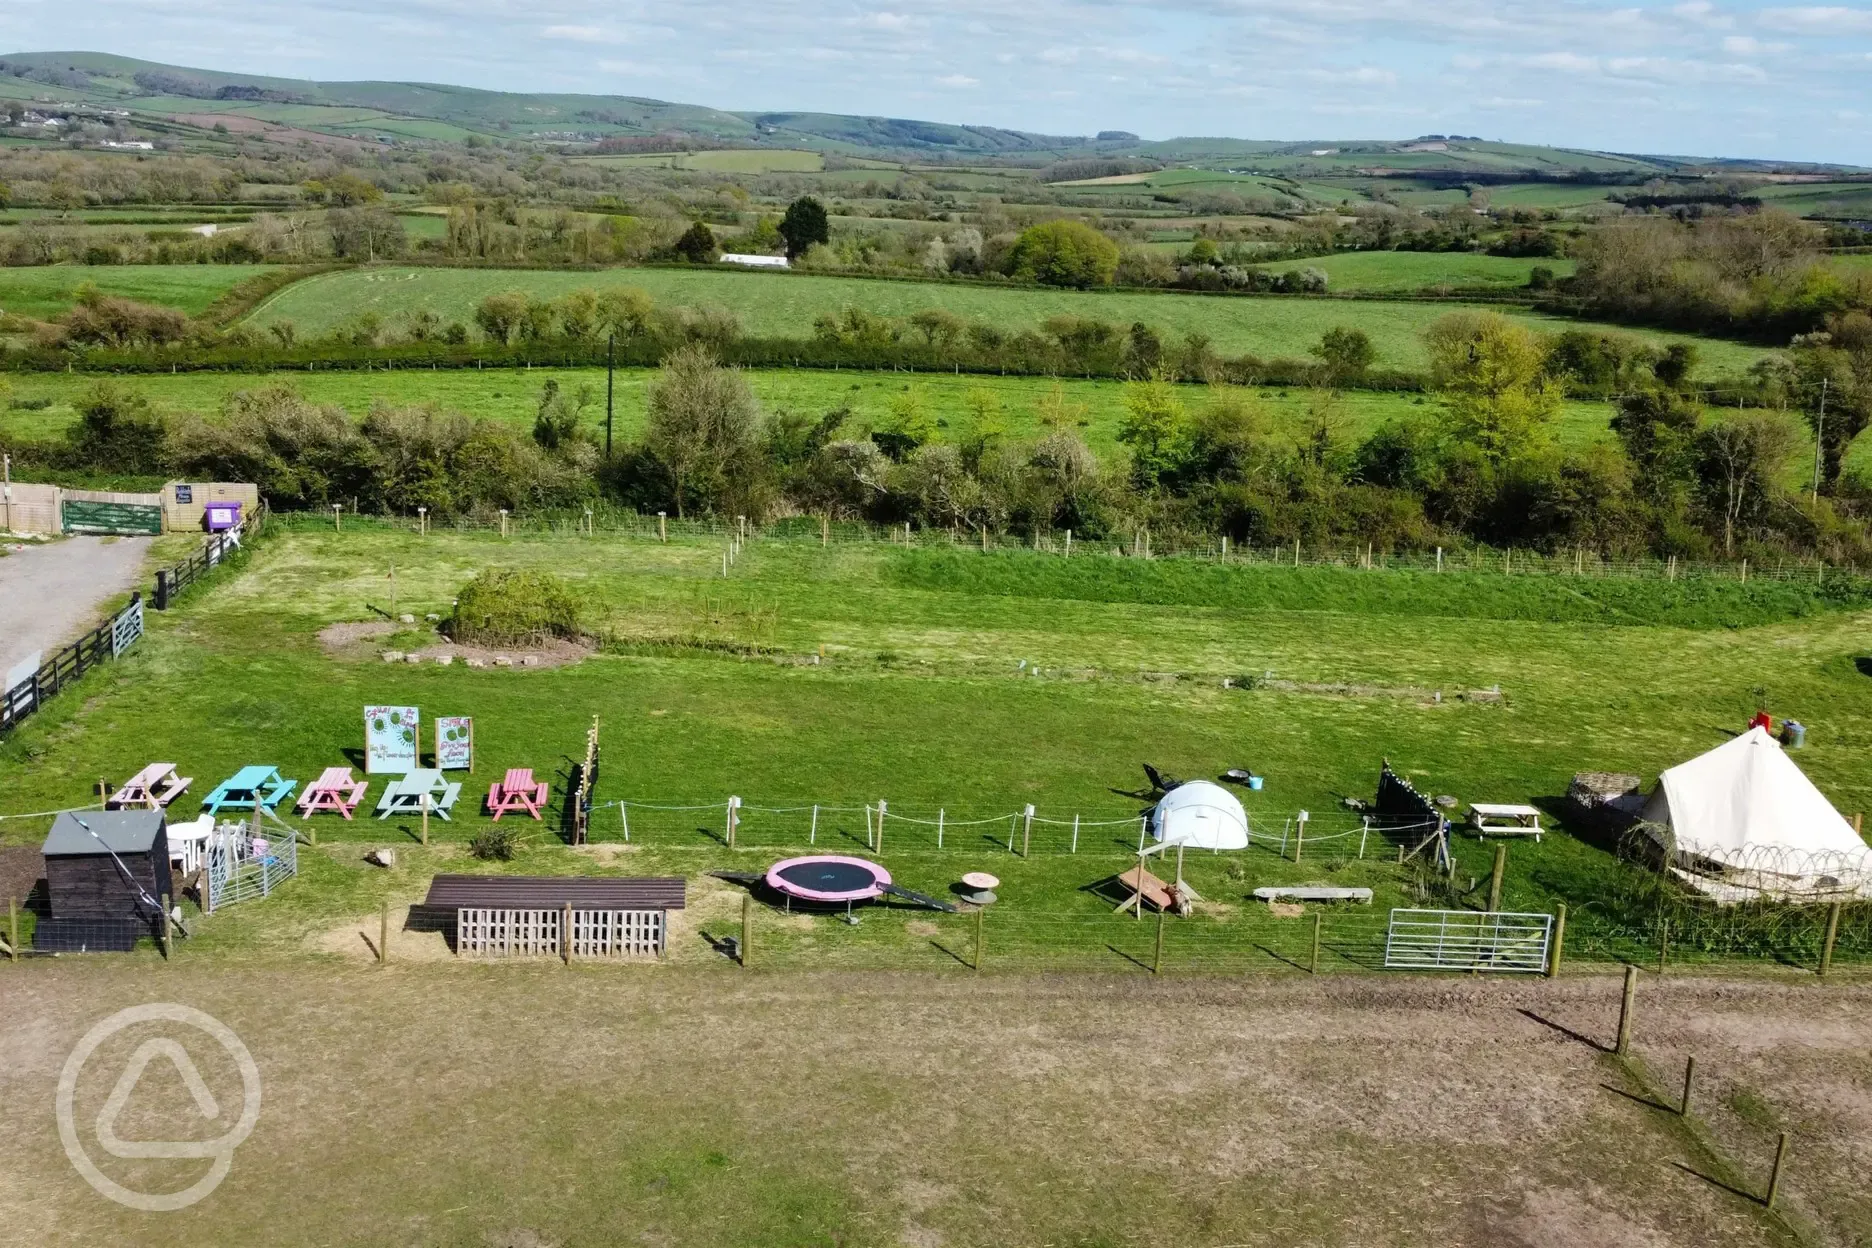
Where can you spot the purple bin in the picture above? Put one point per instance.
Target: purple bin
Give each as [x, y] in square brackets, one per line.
[219, 517]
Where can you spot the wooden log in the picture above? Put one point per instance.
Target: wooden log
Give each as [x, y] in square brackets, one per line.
[1623, 1045]
[981, 916]
[1559, 941]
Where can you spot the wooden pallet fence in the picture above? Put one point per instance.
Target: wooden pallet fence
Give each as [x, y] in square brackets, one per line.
[542, 933]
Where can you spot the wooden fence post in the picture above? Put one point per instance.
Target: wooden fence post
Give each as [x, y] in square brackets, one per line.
[425, 819]
[981, 915]
[1027, 829]
[734, 822]
[1068, 543]
[1300, 822]
[1774, 1175]
[1559, 941]
[1683, 1106]
[163, 921]
[383, 935]
[1663, 946]
[747, 927]
[1157, 957]
[1318, 919]
[879, 850]
[1832, 934]
[13, 928]
[1495, 878]
[565, 934]
[1625, 1012]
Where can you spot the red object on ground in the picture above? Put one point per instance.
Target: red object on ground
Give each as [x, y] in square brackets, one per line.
[1764, 721]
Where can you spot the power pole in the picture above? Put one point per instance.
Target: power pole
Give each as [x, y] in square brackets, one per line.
[610, 367]
[1820, 436]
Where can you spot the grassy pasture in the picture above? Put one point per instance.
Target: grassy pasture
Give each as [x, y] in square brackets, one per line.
[706, 688]
[512, 396]
[785, 304]
[1403, 272]
[46, 291]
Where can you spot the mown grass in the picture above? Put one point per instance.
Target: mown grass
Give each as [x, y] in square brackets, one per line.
[1026, 680]
[784, 304]
[46, 291]
[512, 396]
[1405, 272]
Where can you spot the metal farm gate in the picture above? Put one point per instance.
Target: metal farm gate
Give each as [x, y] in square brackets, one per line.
[133, 519]
[1467, 940]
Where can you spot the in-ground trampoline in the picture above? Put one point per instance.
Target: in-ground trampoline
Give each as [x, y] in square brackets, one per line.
[834, 880]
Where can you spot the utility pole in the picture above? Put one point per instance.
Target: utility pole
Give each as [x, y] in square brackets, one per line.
[1820, 436]
[610, 367]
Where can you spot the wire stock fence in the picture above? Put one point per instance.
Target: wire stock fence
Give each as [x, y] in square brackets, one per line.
[1137, 543]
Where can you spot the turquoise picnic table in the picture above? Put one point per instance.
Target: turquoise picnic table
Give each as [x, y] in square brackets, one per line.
[257, 784]
[404, 795]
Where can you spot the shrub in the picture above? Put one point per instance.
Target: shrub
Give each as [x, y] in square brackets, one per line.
[507, 606]
[1063, 253]
[495, 843]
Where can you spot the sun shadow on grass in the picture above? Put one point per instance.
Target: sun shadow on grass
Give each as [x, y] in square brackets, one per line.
[941, 948]
[1566, 1031]
[1281, 957]
[1713, 1181]
[1637, 1099]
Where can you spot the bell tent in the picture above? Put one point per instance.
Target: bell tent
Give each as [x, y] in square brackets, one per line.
[1201, 815]
[1744, 812]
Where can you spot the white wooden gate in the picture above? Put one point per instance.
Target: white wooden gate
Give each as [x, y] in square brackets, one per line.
[1467, 940]
[537, 933]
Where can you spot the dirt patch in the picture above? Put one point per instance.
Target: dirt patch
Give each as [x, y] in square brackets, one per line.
[355, 940]
[21, 869]
[360, 640]
[1286, 909]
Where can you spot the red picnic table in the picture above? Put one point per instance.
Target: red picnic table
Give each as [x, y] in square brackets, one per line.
[335, 790]
[517, 794]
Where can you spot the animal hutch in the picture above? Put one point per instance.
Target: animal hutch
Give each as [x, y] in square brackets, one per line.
[105, 872]
[559, 916]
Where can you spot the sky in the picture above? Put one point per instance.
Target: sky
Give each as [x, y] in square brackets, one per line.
[1699, 77]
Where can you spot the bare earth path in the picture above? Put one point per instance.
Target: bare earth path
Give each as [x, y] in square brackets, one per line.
[52, 593]
[534, 1104]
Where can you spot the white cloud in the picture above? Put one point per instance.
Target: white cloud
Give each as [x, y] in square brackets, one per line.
[582, 34]
[1363, 76]
[957, 81]
[1818, 19]
[1748, 45]
[1563, 62]
[886, 21]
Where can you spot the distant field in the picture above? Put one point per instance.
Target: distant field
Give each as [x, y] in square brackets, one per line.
[43, 292]
[785, 304]
[1398, 272]
[733, 161]
[511, 396]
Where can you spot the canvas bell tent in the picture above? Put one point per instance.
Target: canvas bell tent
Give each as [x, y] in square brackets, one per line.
[1201, 815]
[1742, 821]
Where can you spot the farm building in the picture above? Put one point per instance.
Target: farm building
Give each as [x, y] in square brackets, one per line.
[1743, 821]
[1201, 815]
[753, 261]
[533, 915]
[105, 871]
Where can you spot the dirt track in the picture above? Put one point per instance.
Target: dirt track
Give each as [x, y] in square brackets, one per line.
[51, 593]
[448, 1103]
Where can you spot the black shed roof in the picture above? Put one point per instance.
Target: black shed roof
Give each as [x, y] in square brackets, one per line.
[121, 831]
[550, 892]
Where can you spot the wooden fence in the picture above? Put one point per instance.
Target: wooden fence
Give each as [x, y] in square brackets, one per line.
[106, 641]
[543, 933]
[172, 581]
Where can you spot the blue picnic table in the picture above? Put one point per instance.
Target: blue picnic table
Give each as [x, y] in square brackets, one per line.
[257, 784]
[405, 794]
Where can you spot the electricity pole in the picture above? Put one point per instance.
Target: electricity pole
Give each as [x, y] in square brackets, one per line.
[610, 367]
[1820, 436]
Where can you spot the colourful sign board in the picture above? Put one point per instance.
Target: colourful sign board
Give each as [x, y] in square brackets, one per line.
[389, 740]
[454, 748]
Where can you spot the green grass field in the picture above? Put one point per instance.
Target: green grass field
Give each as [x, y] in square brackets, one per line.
[1403, 272]
[44, 292]
[512, 396]
[971, 684]
[785, 304]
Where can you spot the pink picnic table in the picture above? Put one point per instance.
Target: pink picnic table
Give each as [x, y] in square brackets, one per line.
[517, 794]
[154, 787]
[335, 790]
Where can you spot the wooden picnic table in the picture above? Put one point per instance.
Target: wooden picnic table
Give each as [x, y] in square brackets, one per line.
[335, 790]
[1504, 819]
[250, 786]
[516, 794]
[154, 787]
[405, 794]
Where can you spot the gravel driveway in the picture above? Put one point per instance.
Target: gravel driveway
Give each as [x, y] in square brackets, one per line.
[51, 594]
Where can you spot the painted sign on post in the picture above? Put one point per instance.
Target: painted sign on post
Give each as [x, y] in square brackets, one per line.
[454, 743]
[389, 740]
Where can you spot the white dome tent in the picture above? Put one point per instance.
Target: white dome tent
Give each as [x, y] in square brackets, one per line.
[1201, 815]
[1743, 821]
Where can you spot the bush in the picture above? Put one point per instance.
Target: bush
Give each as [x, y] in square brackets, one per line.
[1063, 253]
[508, 607]
[495, 843]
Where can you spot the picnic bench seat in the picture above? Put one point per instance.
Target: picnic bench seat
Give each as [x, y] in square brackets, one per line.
[517, 792]
[259, 784]
[1504, 819]
[154, 787]
[1150, 889]
[336, 789]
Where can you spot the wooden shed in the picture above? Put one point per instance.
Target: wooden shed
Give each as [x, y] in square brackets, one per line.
[581, 916]
[104, 871]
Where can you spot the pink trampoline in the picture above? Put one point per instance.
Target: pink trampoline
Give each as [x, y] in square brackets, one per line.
[828, 879]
